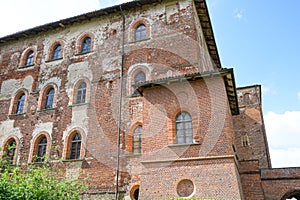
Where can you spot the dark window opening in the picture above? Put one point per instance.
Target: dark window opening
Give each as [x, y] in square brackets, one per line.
[140, 32]
[41, 152]
[49, 99]
[29, 58]
[10, 152]
[184, 130]
[75, 147]
[137, 140]
[245, 140]
[136, 194]
[81, 93]
[20, 104]
[86, 45]
[56, 52]
[139, 78]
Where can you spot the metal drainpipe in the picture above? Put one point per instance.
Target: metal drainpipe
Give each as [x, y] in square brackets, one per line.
[120, 106]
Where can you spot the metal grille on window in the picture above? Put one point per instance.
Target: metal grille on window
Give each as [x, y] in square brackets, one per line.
[86, 45]
[138, 78]
[49, 99]
[184, 130]
[75, 147]
[140, 32]
[56, 52]
[11, 150]
[137, 140]
[29, 59]
[81, 92]
[42, 146]
[21, 103]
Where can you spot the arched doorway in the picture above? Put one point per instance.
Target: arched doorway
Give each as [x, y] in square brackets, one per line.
[134, 193]
[292, 194]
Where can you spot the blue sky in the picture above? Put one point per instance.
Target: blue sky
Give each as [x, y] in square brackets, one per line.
[259, 39]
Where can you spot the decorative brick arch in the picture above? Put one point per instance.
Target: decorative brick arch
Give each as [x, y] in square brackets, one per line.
[133, 70]
[291, 193]
[80, 40]
[43, 96]
[134, 192]
[25, 55]
[51, 49]
[68, 143]
[74, 90]
[137, 23]
[34, 146]
[14, 101]
[5, 147]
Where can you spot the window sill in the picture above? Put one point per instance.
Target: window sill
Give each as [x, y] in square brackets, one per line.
[83, 53]
[52, 60]
[74, 160]
[183, 145]
[47, 110]
[132, 154]
[15, 114]
[136, 41]
[26, 66]
[78, 104]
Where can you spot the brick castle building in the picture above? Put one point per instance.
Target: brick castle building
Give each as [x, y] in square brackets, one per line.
[134, 99]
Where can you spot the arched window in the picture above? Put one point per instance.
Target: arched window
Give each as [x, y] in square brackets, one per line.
[49, 98]
[140, 32]
[21, 104]
[41, 150]
[86, 45]
[29, 58]
[75, 147]
[81, 93]
[11, 151]
[56, 54]
[137, 140]
[138, 78]
[184, 130]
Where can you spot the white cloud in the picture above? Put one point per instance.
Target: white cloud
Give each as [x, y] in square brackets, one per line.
[283, 132]
[298, 95]
[265, 89]
[285, 157]
[238, 14]
[18, 15]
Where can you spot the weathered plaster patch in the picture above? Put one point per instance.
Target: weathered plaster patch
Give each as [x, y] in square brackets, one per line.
[79, 120]
[76, 72]
[55, 80]
[7, 129]
[11, 86]
[43, 127]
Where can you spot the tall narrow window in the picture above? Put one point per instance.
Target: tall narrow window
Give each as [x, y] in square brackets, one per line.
[49, 99]
[184, 130]
[56, 52]
[75, 147]
[245, 140]
[41, 150]
[86, 45]
[140, 32]
[81, 93]
[137, 140]
[138, 78]
[11, 151]
[29, 58]
[21, 104]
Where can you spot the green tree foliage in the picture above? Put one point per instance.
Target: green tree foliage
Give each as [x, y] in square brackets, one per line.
[36, 183]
